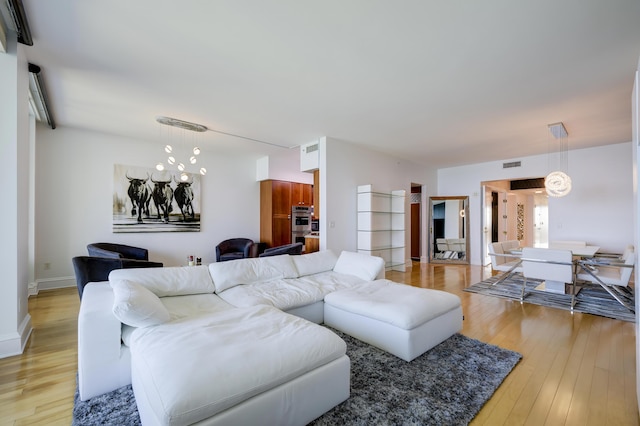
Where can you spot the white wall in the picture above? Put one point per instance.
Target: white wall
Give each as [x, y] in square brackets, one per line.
[15, 322]
[74, 181]
[344, 166]
[283, 165]
[599, 208]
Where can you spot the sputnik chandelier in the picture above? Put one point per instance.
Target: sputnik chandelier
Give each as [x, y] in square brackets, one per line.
[180, 133]
[558, 182]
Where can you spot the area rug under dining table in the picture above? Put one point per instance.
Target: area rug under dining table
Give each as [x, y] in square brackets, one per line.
[592, 299]
[447, 385]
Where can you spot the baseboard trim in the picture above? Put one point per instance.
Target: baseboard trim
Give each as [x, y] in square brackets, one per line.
[50, 284]
[12, 344]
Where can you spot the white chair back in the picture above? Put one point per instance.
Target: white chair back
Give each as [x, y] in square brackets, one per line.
[496, 248]
[534, 265]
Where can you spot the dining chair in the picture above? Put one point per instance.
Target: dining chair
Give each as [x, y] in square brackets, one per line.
[504, 262]
[443, 248]
[553, 266]
[613, 275]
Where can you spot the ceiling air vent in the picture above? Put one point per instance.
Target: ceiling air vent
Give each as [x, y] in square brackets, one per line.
[311, 148]
[511, 164]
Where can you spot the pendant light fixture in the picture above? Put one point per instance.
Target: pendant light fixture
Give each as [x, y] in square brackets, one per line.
[558, 182]
[179, 135]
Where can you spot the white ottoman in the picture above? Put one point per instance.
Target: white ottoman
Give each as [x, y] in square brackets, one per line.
[400, 319]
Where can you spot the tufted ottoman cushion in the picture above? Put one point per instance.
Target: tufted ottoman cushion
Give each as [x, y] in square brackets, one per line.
[400, 319]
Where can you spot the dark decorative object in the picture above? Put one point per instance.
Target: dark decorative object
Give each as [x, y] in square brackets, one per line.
[445, 386]
[293, 249]
[93, 269]
[234, 248]
[117, 251]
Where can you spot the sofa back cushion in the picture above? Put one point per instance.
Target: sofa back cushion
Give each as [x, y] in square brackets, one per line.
[361, 265]
[137, 306]
[314, 263]
[172, 281]
[248, 271]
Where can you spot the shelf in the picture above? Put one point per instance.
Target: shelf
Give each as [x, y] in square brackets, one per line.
[381, 225]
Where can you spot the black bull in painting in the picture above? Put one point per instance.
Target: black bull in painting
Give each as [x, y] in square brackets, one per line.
[162, 194]
[140, 196]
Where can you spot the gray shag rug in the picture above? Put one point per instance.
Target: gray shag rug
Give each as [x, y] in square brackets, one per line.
[592, 299]
[447, 385]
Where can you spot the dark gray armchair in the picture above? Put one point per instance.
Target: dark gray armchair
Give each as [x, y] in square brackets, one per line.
[234, 248]
[294, 249]
[117, 251]
[92, 269]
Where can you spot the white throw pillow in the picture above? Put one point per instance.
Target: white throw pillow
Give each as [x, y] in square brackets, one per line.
[171, 281]
[136, 306]
[314, 263]
[248, 271]
[358, 264]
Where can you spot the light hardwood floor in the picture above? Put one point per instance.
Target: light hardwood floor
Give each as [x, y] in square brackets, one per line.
[576, 369]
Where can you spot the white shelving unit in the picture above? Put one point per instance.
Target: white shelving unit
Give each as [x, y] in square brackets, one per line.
[381, 229]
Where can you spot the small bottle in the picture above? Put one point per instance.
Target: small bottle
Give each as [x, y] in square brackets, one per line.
[191, 261]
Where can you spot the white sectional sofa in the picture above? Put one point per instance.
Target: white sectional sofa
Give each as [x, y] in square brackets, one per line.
[239, 342]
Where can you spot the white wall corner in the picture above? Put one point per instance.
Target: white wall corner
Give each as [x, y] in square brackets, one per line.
[262, 168]
[310, 156]
[13, 343]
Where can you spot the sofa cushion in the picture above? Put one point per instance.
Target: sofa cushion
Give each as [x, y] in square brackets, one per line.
[136, 306]
[313, 263]
[173, 281]
[192, 369]
[358, 264]
[247, 271]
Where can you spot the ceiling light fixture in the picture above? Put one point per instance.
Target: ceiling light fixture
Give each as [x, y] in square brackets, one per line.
[185, 131]
[38, 96]
[558, 182]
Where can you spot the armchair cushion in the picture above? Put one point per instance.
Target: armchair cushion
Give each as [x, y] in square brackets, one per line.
[117, 251]
[136, 306]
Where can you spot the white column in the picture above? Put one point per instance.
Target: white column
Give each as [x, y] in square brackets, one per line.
[15, 322]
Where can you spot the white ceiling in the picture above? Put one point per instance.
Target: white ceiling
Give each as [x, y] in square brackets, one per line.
[437, 82]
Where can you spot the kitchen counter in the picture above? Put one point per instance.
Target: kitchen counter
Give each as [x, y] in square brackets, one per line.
[311, 243]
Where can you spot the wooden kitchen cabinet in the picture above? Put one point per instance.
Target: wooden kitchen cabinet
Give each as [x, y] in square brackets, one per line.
[275, 212]
[301, 194]
[276, 199]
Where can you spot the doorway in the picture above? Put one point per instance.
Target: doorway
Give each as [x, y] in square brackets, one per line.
[515, 210]
[416, 220]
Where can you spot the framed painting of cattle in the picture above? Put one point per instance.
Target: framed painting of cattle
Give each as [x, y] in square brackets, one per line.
[146, 200]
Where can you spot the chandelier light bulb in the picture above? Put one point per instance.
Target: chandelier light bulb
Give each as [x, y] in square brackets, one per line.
[168, 149]
[171, 161]
[181, 167]
[159, 167]
[193, 159]
[196, 150]
[184, 177]
[203, 171]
